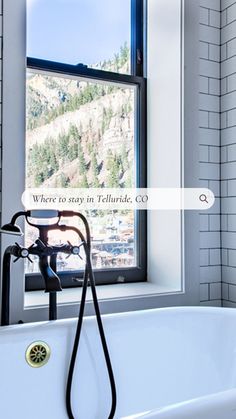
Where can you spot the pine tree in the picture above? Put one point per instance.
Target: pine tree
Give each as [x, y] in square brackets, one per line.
[81, 160]
[113, 170]
[84, 182]
[124, 159]
[53, 162]
[95, 170]
[117, 62]
[72, 149]
[124, 53]
[73, 132]
[63, 144]
[38, 179]
[64, 181]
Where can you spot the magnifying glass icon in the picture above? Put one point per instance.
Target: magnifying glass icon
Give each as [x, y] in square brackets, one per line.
[203, 198]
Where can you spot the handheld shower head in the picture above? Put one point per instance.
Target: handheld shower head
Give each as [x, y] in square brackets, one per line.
[12, 229]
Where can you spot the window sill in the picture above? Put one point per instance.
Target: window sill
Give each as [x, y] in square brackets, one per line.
[72, 296]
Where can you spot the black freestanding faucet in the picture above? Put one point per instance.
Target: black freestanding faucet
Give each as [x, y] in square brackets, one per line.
[52, 281]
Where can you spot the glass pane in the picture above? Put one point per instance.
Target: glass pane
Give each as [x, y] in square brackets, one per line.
[81, 134]
[96, 33]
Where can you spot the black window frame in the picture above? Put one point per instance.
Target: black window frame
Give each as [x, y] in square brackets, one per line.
[138, 273]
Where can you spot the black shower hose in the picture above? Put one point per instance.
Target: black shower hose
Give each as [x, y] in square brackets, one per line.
[88, 275]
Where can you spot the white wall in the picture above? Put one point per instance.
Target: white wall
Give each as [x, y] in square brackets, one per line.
[165, 137]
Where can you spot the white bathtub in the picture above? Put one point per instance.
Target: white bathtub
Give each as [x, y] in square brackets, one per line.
[175, 363]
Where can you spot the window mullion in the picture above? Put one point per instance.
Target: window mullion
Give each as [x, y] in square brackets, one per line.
[137, 40]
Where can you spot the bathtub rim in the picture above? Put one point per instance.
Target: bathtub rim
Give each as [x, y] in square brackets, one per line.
[220, 311]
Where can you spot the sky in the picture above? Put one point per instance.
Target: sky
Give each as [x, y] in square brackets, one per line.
[77, 31]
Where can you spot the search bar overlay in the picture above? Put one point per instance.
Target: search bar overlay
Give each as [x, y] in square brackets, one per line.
[119, 199]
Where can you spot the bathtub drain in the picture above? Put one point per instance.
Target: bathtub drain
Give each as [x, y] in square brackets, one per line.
[37, 354]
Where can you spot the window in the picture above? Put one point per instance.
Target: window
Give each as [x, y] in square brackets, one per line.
[173, 269]
[96, 33]
[86, 123]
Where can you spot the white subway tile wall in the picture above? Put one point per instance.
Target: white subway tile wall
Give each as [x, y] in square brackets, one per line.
[228, 152]
[209, 148]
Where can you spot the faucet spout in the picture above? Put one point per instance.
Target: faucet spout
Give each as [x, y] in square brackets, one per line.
[52, 280]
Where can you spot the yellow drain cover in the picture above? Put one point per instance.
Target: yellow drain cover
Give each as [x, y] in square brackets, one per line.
[37, 354]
